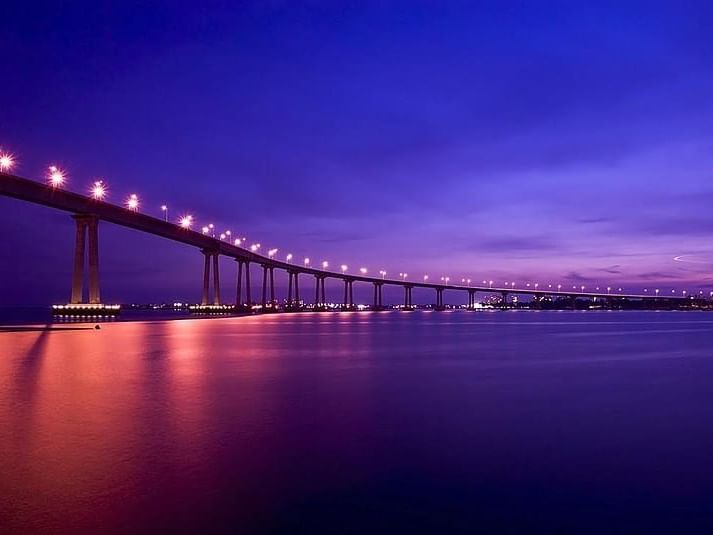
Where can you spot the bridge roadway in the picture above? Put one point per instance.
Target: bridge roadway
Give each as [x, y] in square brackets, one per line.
[42, 194]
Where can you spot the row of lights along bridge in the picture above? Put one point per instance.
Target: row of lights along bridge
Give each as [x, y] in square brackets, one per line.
[57, 178]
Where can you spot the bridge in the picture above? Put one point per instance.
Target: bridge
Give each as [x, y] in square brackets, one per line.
[88, 211]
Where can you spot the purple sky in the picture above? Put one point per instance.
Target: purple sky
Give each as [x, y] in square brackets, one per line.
[557, 142]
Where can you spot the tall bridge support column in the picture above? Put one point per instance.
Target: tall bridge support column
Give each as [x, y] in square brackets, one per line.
[439, 299]
[316, 291]
[239, 292]
[351, 294]
[289, 289]
[408, 299]
[86, 224]
[248, 296]
[264, 285]
[319, 297]
[346, 294]
[272, 286]
[378, 304]
[504, 303]
[216, 280]
[210, 257]
[471, 299]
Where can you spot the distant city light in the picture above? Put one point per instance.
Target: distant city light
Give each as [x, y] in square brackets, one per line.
[98, 190]
[55, 176]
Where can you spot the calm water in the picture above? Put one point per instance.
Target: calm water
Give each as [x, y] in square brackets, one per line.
[361, 422]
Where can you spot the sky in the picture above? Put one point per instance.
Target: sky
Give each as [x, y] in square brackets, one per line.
[551, 142]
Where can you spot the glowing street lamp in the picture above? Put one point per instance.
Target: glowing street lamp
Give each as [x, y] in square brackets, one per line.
[237, 242]
[211, 228]
[186, 221]
[98, 190]
[205, 230]
[255, 247]
[55, 177]
[288, 257]
[403, 276]
[7, 162]
[164, 209]
[382, 273]
[344, 268]
[325, 264]
[490, 284]
[271, 253]
[559, 287]
[608, 290]
[363, 271]
[582, 288]
[512, 285]
[306, 262]
[222, 236]
[132, 203]
[425, 278]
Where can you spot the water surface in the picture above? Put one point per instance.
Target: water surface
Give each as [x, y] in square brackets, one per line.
[361, 422]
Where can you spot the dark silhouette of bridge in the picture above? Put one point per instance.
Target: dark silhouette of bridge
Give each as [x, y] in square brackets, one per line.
[88, 212]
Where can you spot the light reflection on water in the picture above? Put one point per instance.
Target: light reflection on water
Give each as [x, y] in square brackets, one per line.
[357, 421]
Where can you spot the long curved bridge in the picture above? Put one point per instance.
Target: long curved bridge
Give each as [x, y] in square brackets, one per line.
[88, 211]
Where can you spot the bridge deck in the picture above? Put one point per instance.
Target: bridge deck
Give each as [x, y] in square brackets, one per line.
[39, 193]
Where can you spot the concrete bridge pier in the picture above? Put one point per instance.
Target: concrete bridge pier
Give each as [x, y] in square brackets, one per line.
[320, 299]
[377, 296]
[86, 225]
[504, 299]
[289, 289]
[210, 257]
[408, 298]
[239, 292]
[268, 275]
[439, 299]
[471, 299]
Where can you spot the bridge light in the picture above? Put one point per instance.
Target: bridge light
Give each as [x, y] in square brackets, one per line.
[288, 257]
[382, 273]
[222, 236]
[325, 264]
[7, 161]
[237, 242]
[425, 278]
[272, 252]
[363, 271]
[55, 176]
[306, 261]
[164, 209]
[205, 230]
[132, 203]
[344, 268]
[186, 221]
[98, 190]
